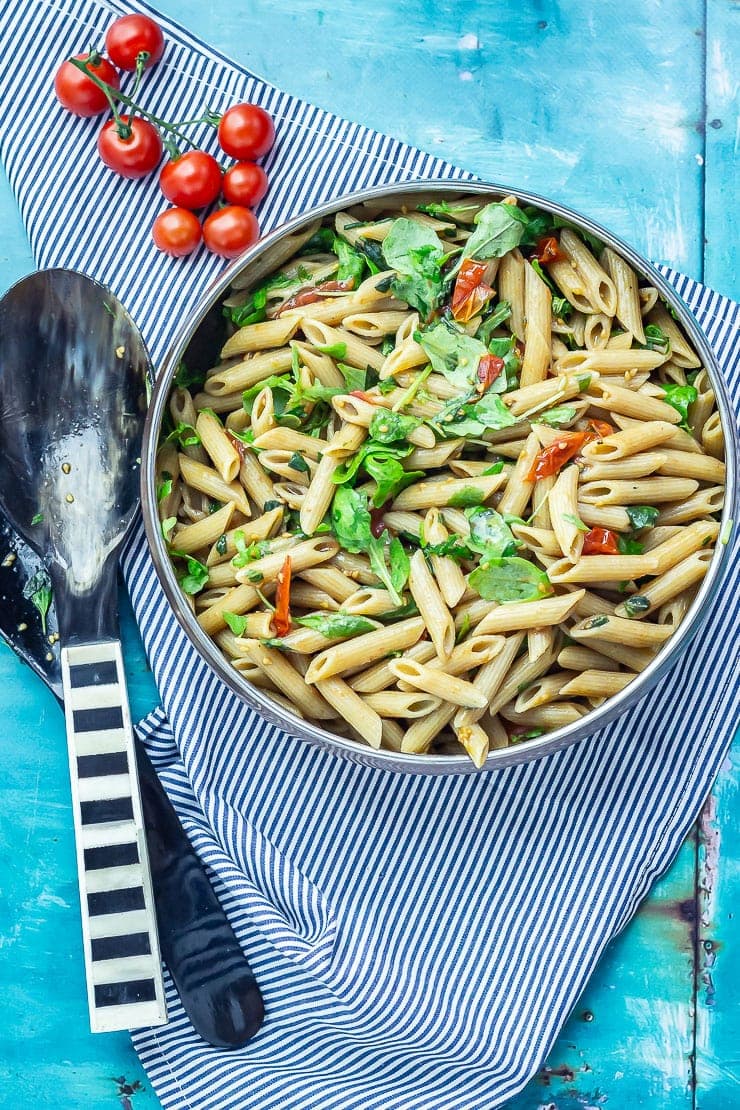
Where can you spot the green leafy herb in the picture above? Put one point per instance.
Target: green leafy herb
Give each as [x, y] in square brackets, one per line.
[415, 253]
[297, 462]
[382, 462]
[236, 623]
[500, 314]
[167, 526]
[37, 518]
[336, 625]
[635, 605]
[214, 506]
[490, 535]
[576, 521]
[510, 579]
[195, 576]
[656, 339]
[452, 548]
[496, 468]
[387, 386]
[563, 414]
[592, 242]
[442, 209]
[628, 546]
[471, 418]
[465, 625]
[498, 229]
[335, 350]
[164, 489]
[38, 591]
[253, 311]
[561, 308]
[680, 397]
[222, 545]
[505, 348]
[247, 553]
[185, 435]
[351, 522]
[186, 379]
[542, 273]
[387, 426]
[354, 377]
[467, 497]
[452, 352]
[530, 734]
[351, 262]
[272, 504]
[321, 242]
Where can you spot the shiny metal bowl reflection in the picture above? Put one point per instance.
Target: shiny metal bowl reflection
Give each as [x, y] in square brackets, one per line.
[198, 341]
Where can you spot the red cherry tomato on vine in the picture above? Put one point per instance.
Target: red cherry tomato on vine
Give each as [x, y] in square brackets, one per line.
[134, 156]
[246, 132]
[245, 183]
[192, 180]
[132, 35]
[177, 232]
[230, 230]
[77, 93]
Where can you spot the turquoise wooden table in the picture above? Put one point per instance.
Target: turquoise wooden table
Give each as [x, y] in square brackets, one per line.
[628, 112]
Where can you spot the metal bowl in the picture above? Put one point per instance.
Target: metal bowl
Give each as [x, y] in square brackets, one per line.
[200, 338]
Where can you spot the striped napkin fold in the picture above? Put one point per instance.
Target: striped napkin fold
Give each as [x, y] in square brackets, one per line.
[419, 940]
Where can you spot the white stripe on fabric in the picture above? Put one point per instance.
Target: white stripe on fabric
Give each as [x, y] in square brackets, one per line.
[419, 941]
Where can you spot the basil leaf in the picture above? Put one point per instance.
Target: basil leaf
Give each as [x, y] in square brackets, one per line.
[350, 519]
[415, 253]
[680, 397]
[236, 623]
[38, 591]
[629, 546]
[496, 232]
[641, 516]
[335, 350]
[222, 544]
[336, 625]
[509, 579]
[395, 578]
[453, 353]
[388, 427]
[490, 535]
[563, 414]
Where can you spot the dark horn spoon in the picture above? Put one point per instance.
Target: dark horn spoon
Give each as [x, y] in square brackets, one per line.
[72, 391]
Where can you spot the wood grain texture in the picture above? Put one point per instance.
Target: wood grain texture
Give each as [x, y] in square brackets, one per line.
[602, 107]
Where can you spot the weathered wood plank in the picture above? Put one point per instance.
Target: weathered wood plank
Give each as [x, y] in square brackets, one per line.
[722, 144]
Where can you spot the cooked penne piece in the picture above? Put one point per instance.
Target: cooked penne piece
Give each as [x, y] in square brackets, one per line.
[204, 532]
[642, 491]
[563, 508]
[577, 658]
[210, 482]
[450, 579]
[439, 683]
[246, 374]
[702, 467]
[602, 568]
[634, 466]
[475, 741]
[542, 691]
[619, 630]
[628, 298]
[597, 684]
[220, 449]
[704, 502]
[534, 614]
[364, 649]
[378, 676]
[635, 439]
[598, 286]
[672, 582]
[617, 399]
[302, 555]
[288, 680]
[354, 709]
[391, 703]
[431, 605]
[538, 323]
[681, 352]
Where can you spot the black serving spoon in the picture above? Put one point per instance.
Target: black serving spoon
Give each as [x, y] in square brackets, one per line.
[72, 391]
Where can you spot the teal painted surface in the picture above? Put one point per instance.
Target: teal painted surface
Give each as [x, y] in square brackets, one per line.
[603, 108]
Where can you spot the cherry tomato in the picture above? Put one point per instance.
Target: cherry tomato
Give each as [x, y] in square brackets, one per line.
[135, 156]
[192, 180]
[77, 93]
[600, 428]
[471, 293]
[489, 368]
[246, 132]
[245, 183]
[230, 230]
[551, 459]
[177, 232]
[548, 250]
[132, 35]
[600, 541]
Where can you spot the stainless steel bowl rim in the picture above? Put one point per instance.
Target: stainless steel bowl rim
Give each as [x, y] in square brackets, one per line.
[355, 750]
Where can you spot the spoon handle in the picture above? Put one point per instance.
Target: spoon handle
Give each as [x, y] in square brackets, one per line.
[125, 989]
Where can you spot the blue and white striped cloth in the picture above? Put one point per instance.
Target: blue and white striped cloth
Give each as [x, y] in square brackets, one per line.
[419, 941]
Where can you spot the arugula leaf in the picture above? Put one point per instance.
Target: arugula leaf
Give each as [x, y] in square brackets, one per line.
[556, 417]
[253, 311]
[415, 253]
[389, 475]
[186, 379]
[38, 591]
[497, 231]
[335, 350]
[164, 489]
[247, 553]
[297, 462]
[628, 546]
[387, 426]
[576, 521]
[500, 314]
[495, 468]
[467, 497]
[184, 434]
[656, 339]
[321, 242]
[456, 211]
[335, 625]
[452, 548]
[505, 348]
[680, 397]
[561, 308]
[351, 522]
[472, 418]
[452, 352]
[351, 262]
[236, 622]
[195, 576]
[490, 535]
[354, 378]
[641, 516]
[509, 579]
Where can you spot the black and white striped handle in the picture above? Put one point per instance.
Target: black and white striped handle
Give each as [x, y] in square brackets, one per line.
[122, 961]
